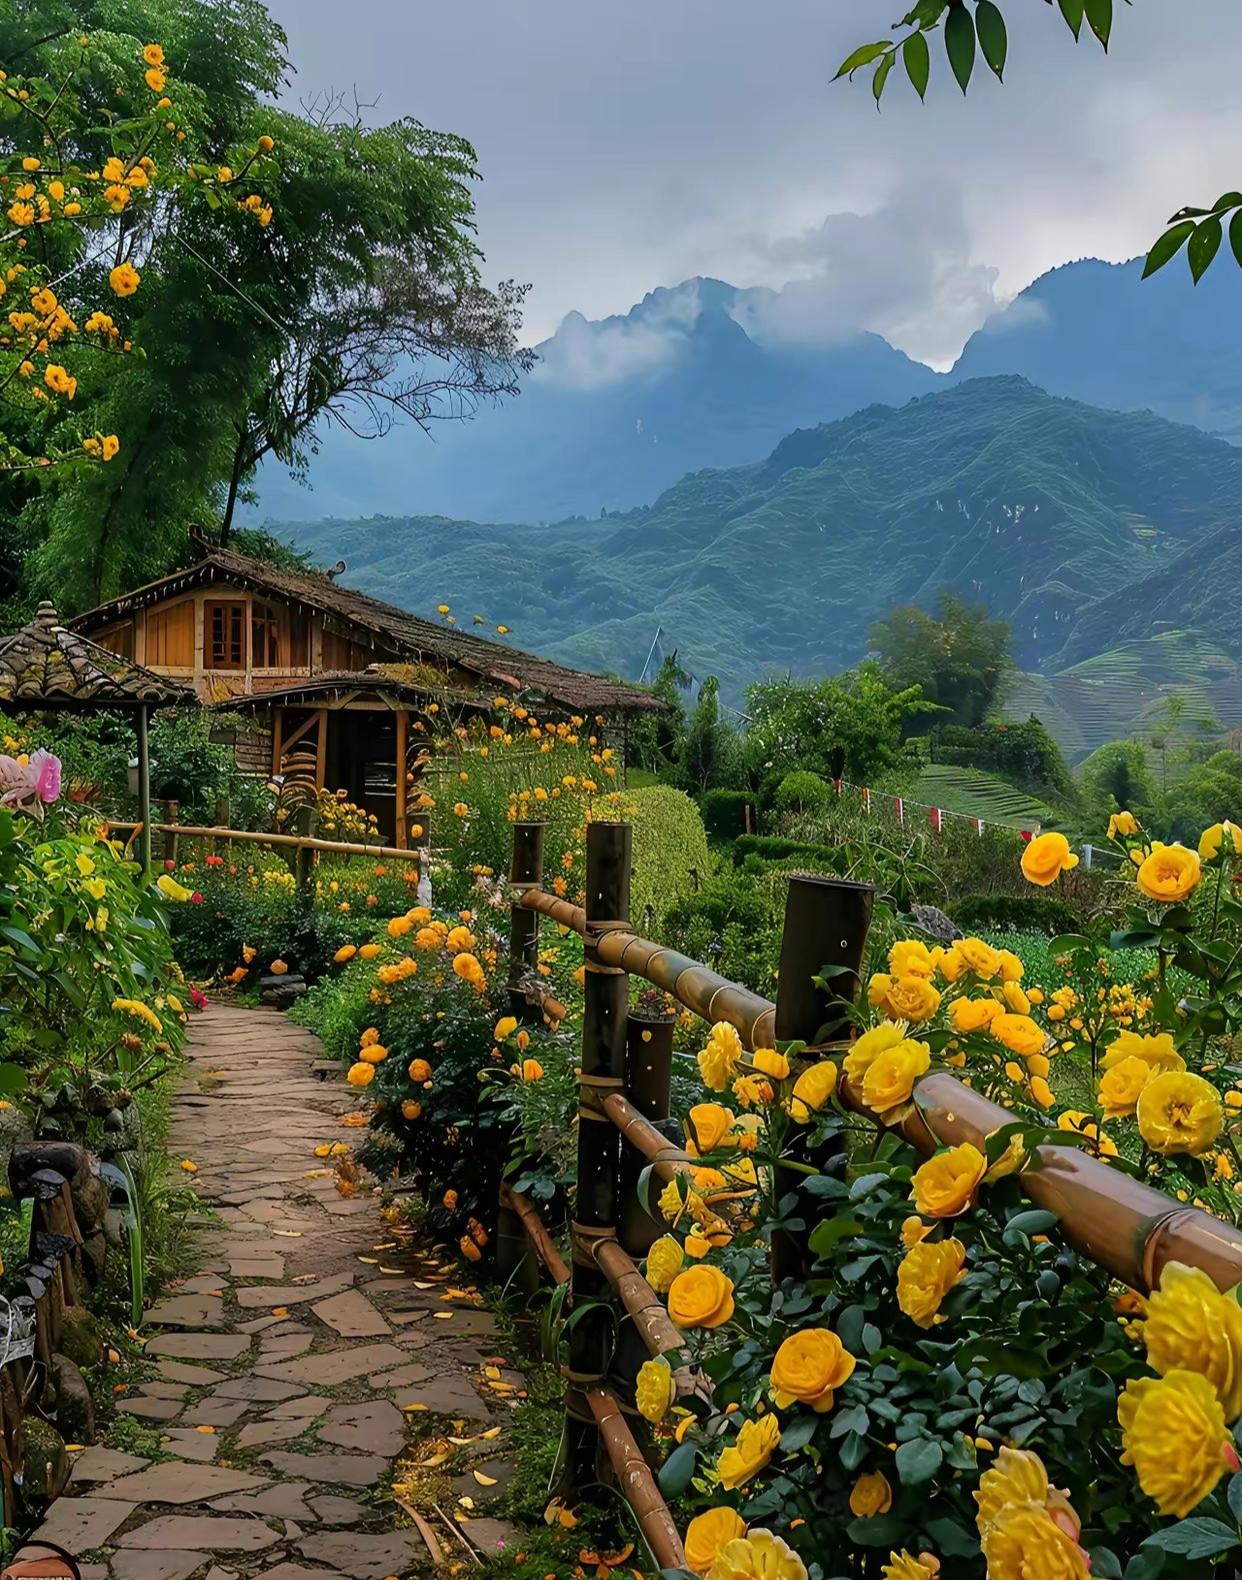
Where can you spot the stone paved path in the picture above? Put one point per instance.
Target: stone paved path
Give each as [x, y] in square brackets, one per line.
[286, 1372]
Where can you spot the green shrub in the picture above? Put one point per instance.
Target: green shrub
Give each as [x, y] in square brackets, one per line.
[774, 847]
[724, 812]
[1027, 913]
[801, 791]
[671, 855]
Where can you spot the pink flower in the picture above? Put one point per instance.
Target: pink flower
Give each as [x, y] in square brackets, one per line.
[198, 999]
[30, 785]
[169, 865]
[214, 861]
[196, 898]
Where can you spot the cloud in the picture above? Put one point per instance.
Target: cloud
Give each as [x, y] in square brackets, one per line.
[904, 271]
[584, 355]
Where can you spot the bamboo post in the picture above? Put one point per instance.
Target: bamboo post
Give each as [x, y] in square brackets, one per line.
[401, 833]
[825, 934]
[605, 1001]
[144, 792]
[648, 1070]
[171, 809]
[525, 873]
[304, 860]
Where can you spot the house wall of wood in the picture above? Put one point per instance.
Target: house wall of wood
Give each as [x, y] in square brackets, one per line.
[227, 640]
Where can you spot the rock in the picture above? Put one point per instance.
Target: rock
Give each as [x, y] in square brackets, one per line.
[46, 1464]
[102, 1464]
[199, 1346]
[79, 1524]
[176, 1482]
[74, 1409]
[352, 1315]
[166, 1565]
[364, 1556]
[79, 1338]
[375, 1427]
[347, 1470]
[211, 1533]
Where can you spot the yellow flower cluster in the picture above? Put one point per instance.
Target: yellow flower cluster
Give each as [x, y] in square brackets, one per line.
[1028, 1529]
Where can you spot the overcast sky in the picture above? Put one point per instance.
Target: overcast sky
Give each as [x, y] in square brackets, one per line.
[625, 146]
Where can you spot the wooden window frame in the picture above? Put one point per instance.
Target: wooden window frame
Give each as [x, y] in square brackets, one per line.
[241, 610]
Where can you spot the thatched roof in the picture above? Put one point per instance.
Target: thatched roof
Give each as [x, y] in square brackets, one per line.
[45, 665]
[393, 632]
[384, 682]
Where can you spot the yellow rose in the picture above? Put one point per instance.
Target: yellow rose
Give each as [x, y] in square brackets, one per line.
[911, 999]
[708, 1534]
[1173, 1432]
[979, 957]
[1011, 968]
[890, 1080]
[913, 1229]
[1179, 1113]
[710, 1123]
[360, 1074]
[369, 951]
[1041, 1091]
[344, 953]
[870, 1495]
[1156, 1050]
[758, 1556]
[973, 1014]
[505, 1027]
[664, 1261]
[911, 958]
[1122, 823]
[808, 1368]
[771, 1063]
[948, 962]
[701, 1297]
[812, 1090]
[719, 1060]
[655, 1390]
[1015, 1477]
[1046, 858]
[1025, 1542]
[927, 1273]
[1015, 998]
[1191, 1326]
[373, 1053]
[905, 1566]
[1019, 1033]
[870, 1046]
[751, 1450]
[877, 987]
[945, 1184]
[1170, 874]
[399, 926]
[1122, 1085]
[1079, 1123]
[1227, 835]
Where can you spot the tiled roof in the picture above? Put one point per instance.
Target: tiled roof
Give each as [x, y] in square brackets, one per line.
[406, 634]
[45, 665]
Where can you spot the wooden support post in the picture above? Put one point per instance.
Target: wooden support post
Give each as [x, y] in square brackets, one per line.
[304, 857]
[402, 837]
[321, 750]
[278, 746]
[525, 872]
[144, 791]
[605, 1001]
[648, 1071]
[826, 926]
[171, 809]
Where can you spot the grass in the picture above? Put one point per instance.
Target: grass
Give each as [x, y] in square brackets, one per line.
[972, 793]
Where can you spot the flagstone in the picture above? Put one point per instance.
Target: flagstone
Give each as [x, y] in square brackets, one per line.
[199, 1346]
[159, 1565]
[347, 1470]
[333, 1509]
[150, 1409]
[374, 1427]
[292, 1294]
[195, 1376]
[79, 1524]
[187, 1442]
[352, 1315]
[327, 1370]
[188, 1311]
[216, 1412]
[263, 1389]
[174, 1481]
[263, 1434]
[305, 1408]
[365, 1556]
[286, 1500]
[213, 1532]
[102, 1464]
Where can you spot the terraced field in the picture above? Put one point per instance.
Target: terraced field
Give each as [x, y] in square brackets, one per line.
[1120, 693]
[972, 793]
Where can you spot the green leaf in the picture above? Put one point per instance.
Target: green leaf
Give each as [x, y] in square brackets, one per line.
[1072, 11]
[862, 56]
[883, 1530]
[1204, 245]
[1168, 246]
[918, 1461]
[993, 40]
[1100, 18]
[798, 1433]
[953, 1540]
[12, 1078]
[1036, 1221]
[1227, 200]
[1234, 1495]
[881, 75]
[959, 43]
[677, 1470]
[827, 1234]
[1105, 1565]
[1196, 1538]
[916, 58]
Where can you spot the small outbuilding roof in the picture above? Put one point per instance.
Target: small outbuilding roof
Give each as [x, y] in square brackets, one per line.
[46, 665]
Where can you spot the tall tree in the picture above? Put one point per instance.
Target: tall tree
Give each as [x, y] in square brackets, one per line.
[357, 296]
[959, 656]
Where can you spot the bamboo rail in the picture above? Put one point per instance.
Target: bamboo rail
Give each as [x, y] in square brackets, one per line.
[289, 841]
[536, 1232]
[1129, 1228]
[634, 1478]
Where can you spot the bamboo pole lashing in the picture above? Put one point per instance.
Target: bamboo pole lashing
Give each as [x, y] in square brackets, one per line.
[329, 847]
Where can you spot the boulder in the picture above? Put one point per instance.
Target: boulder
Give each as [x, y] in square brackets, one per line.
[73, 1407]
[46, 1464]
[79, 1338]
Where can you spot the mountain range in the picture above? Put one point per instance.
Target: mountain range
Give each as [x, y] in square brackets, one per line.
[1080, 526]
[708, 375]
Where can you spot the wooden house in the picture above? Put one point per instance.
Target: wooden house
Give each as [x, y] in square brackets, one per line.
[330, 677]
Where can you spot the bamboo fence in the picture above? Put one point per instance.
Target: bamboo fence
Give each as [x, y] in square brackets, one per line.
[1128, 1228]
